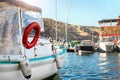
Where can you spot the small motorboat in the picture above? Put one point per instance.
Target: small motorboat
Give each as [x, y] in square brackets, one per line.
[86, 46]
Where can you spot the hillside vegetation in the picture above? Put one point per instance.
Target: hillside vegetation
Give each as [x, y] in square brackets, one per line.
[74, 32]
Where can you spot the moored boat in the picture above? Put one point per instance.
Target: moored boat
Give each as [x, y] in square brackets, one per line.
[109, 35]
[86, 46]
[72, 45]
[24, 54]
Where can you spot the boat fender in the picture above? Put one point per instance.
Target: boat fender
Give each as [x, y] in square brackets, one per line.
[52, 47]
[58, 61]
[28, 29]
[25, 68]
[115, 48]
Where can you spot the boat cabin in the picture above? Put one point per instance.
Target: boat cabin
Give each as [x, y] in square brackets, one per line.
[109, 30]
[14, 17]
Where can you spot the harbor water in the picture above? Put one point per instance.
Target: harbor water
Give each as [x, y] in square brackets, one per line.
[95, 66]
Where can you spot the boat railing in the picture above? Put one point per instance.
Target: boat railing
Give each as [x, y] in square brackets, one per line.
[12, 58]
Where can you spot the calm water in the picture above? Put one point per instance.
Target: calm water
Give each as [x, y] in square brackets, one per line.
[96, 66]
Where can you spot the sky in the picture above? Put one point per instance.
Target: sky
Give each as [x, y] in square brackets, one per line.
[78, 12]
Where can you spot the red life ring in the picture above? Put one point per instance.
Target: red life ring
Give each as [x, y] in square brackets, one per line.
[26, 43]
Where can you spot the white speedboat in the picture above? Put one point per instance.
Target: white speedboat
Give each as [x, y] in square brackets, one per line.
[23, 57]
[86, 46]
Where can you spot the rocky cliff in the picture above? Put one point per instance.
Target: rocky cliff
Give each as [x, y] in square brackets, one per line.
[74, 32]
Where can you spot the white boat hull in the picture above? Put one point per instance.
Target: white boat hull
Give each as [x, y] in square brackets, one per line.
[43, 64]
[40, 69]
[106, 46]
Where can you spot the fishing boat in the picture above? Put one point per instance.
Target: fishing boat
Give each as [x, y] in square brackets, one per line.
[86, 46]
[24, 53]
[109, 35]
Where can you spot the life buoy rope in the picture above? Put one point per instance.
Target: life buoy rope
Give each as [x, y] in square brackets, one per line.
[28, 29]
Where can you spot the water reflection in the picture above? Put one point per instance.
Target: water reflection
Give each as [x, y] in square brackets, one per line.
[102, 56]
[103, 59]
[95, 66]
[83, 54]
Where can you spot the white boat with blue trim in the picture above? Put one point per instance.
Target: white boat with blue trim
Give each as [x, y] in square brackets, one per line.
[23, 57]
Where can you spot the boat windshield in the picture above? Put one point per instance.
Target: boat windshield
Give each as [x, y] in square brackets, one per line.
[31, 16]
[86, 43]
[10, 41]
[9, 31]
